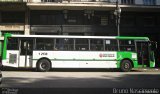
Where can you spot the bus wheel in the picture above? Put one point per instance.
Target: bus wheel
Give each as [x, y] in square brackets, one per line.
[43, 65]
[126, 66]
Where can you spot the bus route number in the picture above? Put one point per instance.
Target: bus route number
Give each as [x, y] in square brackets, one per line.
[42, 53]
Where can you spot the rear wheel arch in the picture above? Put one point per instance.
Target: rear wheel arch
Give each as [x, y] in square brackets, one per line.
[126, 62]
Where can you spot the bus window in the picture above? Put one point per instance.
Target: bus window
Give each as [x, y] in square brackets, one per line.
[64, 44]
[127, 45]
[82, 44]
[44, 44]
[111, 45]
[12, 44]
[96, 45]
[68, 44]
[59, 44]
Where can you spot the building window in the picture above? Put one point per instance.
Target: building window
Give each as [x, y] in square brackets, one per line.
[86, 0]
[43, 19]
[51, 0]
[13, 32]
[13, 17]
[72, 20]
[100, 20]
[104, 20]
[46, 18]
[158, 20]
[149, 21]
[149, 2]
[127, 20]
[128, 2]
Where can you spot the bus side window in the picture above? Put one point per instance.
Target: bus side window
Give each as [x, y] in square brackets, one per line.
[64, 44]
[111, 45]
[12, 44]
[96, 45]
[40, 46]
[82, 44]
[127, 45]
[48, 46]
[59, 44]
[69, 44]
[44, 44]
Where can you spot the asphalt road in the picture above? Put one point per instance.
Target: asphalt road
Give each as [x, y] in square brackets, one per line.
[81, 79]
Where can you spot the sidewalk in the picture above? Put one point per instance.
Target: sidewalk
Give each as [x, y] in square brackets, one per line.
[146, 69]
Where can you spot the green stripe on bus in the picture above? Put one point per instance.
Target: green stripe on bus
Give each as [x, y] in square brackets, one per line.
[126, 55]
[5, 45]
[134, 38]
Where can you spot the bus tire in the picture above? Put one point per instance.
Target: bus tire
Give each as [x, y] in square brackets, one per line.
[43, 65]
[126, 66]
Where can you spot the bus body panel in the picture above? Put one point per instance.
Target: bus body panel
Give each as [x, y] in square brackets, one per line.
[76, 55]
[98, 64]
[127, 55]
[84, 64]
[65, 64]
[11, 58]
[25, 61]
[76, 59]
[15, 60]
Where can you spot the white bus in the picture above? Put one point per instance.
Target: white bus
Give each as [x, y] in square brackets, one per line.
[44, 52]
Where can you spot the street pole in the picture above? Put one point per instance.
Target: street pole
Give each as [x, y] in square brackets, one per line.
[118, 15]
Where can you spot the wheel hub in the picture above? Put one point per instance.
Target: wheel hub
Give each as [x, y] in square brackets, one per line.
[126, 66]
[43, 66]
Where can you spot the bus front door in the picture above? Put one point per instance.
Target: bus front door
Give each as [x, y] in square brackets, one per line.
[26, 48]
[143, 53]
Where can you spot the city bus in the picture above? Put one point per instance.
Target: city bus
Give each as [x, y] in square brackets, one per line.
[44, 52]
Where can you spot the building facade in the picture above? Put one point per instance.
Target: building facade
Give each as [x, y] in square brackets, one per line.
[81, 17]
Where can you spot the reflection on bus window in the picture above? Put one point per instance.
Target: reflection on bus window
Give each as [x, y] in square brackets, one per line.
[68, 44]
[64, 44]
[59, 44]
[96, 45]
[111, 45]
[127, 45]
[44, 44]
[12, 44]
[82, 44]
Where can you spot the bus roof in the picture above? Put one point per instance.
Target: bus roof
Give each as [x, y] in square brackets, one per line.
[138, 38]
[71, 36]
